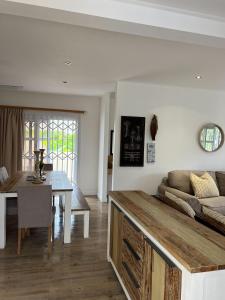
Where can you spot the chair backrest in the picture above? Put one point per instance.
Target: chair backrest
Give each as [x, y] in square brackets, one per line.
[34, 206]
[3, 174]
[48, 167]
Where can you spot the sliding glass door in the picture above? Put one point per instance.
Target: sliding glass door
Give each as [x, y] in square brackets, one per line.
[58, 134]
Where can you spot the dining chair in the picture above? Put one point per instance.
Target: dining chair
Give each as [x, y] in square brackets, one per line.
[34, 211]
[11, 208]
[49, 167]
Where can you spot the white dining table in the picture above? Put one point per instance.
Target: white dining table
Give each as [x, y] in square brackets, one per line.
[61, 186]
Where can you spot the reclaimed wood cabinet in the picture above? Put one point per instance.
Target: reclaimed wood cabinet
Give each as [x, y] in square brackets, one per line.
[144, 270]
[153, 248]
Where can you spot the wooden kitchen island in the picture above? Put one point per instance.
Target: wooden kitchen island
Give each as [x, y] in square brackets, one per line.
[159, 253]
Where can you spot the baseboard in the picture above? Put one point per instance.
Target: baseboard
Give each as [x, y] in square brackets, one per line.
[88, 192]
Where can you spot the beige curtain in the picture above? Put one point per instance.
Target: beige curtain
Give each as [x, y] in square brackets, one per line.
[11, 139]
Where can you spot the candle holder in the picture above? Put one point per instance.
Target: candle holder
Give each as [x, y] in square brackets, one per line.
[41, 164]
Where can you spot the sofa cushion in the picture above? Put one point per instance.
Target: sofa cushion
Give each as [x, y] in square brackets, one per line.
[213, 201]
[184, 206]
[217, 216]
[204, 186]
[180, 179]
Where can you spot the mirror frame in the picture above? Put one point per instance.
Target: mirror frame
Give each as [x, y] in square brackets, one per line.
[222, 137]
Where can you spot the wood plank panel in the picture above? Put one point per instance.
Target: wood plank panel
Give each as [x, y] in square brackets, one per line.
[147, 273]
[134, 264]
[179, 234]
[173, 283]
[132, 287]
[158, 284]
[134, 236]
[116, 236]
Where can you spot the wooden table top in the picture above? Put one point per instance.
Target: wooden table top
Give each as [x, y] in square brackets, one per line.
[58, 180]
[196, 247]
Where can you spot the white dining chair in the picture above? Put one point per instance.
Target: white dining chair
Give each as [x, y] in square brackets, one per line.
[11, 208]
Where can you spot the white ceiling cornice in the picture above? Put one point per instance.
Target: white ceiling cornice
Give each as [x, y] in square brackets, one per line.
[123, 16]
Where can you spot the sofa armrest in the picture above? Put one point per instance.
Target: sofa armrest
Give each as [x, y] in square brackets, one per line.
[190, 199]
[214, 219]
[179, 204]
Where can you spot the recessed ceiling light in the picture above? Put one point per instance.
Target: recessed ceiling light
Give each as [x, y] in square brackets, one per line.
[68, 63]
[65, 82]
[198, 76]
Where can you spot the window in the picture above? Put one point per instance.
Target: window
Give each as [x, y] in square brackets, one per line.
[58, 135]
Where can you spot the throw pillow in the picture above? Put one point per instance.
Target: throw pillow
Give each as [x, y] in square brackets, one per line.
[204, 186]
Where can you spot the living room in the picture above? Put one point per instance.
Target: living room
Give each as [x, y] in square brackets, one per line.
[100, 61]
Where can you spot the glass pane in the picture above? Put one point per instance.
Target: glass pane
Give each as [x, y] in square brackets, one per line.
[58, 138]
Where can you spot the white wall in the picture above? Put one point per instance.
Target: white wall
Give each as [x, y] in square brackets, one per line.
[103, 147]
[181, 112]
[89, 139]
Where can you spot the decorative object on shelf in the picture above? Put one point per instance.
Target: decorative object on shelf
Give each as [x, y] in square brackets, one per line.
[41, 160]
[150, 152]
[211, 137]
[37, 164]
[132, 141]
[154, 127]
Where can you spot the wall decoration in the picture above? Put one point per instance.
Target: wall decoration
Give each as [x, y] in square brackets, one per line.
[154, 127]
[132, 141]
[211, 137]
[150, 152]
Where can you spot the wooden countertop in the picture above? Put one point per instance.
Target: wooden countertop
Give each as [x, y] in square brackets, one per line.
[196, 247]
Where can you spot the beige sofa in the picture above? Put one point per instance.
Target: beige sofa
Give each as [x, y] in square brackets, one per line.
[176, 191]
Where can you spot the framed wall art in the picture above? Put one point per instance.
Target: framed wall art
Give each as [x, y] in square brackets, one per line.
[132, 141]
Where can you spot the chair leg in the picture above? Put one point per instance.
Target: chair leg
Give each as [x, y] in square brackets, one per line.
[86, 224]
[49, 239]
[19, 241]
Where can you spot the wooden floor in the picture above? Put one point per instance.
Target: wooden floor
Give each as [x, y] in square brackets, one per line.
[75, 271]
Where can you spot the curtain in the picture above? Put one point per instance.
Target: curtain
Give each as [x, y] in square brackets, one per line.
[11, 139]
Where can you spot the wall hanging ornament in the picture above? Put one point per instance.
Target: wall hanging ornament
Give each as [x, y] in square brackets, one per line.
[154, 127]
[151, 152]
[151, 145]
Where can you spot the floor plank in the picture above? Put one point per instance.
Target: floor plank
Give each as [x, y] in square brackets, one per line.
[76, 271]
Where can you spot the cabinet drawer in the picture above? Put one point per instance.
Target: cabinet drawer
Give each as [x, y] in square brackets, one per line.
[130, 282]
[134, 236]
[132, 260]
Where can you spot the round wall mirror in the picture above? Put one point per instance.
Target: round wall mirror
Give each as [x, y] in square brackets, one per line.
[211, 137]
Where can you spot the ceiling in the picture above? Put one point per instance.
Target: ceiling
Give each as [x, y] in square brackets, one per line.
[214, 8]
[33, 52]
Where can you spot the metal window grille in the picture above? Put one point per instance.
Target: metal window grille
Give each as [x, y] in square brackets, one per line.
[59, 138]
